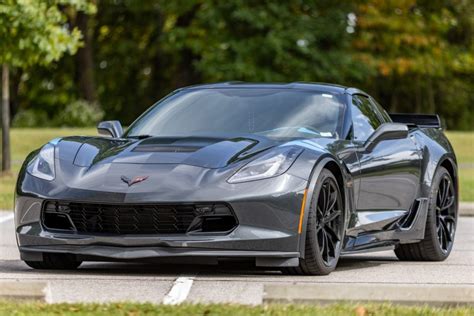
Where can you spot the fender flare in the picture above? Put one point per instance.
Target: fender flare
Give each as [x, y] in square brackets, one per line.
[311, 186]
[429, 174]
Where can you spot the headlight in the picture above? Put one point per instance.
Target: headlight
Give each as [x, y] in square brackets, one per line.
[43, 165]
[269, 165]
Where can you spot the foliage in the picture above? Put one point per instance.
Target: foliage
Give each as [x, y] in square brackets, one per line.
[265, 40]
[36, 308]
[31, 118]
[33, 32]
[422, 56]
[79, 114]
[412, 55]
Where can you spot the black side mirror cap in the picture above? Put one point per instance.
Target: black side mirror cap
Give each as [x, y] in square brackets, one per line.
[110, 129]
[386, 131]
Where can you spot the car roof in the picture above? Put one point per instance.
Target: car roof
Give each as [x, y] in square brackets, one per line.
[317, 86]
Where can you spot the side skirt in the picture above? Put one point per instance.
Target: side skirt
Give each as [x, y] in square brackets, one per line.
[409, 228]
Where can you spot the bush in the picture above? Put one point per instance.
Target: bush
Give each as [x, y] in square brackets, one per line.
[79, 113]
[31, 118]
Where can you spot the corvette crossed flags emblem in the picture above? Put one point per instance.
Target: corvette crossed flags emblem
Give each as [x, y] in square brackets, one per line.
[133, 181]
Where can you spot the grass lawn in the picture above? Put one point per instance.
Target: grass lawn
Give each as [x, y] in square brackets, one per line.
[8, 308]
[26, 140]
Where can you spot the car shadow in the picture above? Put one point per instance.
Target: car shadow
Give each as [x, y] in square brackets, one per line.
[158, 269]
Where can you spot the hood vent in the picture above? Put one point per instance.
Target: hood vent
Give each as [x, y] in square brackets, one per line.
[174, 144]
[166, 148]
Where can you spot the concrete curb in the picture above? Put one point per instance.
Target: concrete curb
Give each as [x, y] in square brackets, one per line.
[466, 208]
[23, 290]
[433, 295]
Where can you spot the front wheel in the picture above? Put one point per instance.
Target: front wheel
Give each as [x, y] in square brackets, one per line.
[440, 224]
[325, 228]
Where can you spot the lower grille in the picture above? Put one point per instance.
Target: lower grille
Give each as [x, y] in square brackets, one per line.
[133, 219]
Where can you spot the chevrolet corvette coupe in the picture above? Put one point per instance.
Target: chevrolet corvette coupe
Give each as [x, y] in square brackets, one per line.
[287, 176]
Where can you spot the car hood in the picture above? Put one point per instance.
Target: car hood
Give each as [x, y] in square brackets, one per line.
[206, 152]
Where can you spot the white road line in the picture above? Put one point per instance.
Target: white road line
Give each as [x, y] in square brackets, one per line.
[6, 218]
[180, 290]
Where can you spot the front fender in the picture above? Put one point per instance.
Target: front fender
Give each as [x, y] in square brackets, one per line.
[320, 161]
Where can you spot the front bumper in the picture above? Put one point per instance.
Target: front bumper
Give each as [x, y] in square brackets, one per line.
[268, 213]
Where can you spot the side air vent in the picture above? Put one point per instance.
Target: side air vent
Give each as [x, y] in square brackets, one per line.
[408, 219]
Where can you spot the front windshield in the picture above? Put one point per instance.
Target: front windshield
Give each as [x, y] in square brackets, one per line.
[275, 113]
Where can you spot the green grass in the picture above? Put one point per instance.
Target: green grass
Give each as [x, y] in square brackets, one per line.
[463, 143]
[25, 140]
[129, 309]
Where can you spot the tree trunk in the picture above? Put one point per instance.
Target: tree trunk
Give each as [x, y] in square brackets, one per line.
[6, 158]
[84, 61]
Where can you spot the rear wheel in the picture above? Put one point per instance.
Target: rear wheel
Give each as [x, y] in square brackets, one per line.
[325, 228]
[440, 224]
[53, 261]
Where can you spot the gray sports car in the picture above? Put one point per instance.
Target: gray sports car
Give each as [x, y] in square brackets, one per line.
[288, 176]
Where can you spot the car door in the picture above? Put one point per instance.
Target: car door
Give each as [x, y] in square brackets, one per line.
[389, 172]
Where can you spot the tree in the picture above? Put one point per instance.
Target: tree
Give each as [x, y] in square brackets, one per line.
[32, 32]
[265, 40]
[419, 55]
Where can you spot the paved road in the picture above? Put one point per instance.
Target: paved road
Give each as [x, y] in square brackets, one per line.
[101, 282]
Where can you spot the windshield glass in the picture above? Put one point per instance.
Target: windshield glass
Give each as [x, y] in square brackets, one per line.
[269, 112]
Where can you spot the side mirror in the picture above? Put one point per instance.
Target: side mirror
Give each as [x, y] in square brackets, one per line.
[110, 129]
[386, 131]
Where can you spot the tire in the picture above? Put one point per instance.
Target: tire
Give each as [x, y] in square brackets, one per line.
[52, 261]
[440, 223]
[321, 260]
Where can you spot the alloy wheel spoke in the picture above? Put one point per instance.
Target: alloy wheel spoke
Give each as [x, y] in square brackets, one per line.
[327, 246]
[446, 190]
[439, 232]
[319, 212]
[449, 218]
[328, 199]
[332, 216]
[331, 244]
[448, 203]
[324, 198]
[446, 230]
[333, 201]
[442, 237]
[321, 241]
[330, 231]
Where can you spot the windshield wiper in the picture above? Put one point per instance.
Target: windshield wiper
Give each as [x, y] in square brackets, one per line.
[139, 136]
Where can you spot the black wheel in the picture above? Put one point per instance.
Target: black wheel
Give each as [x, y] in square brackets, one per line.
[325, 228]
[440, 225]
[53, 261]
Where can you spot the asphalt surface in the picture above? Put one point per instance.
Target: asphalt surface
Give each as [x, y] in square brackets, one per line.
[231, 283]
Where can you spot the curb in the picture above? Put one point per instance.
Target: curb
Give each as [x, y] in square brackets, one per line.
[23, 290]
[433, 295]
[466, 208]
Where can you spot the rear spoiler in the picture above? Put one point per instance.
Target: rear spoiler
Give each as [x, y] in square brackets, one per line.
[419, 120]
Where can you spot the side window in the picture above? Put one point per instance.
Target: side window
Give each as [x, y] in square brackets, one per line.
[365, 119]
[383, 114]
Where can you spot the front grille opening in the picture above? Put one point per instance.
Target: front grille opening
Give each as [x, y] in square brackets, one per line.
[58, 221]
[218, 223]
[138, 219]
